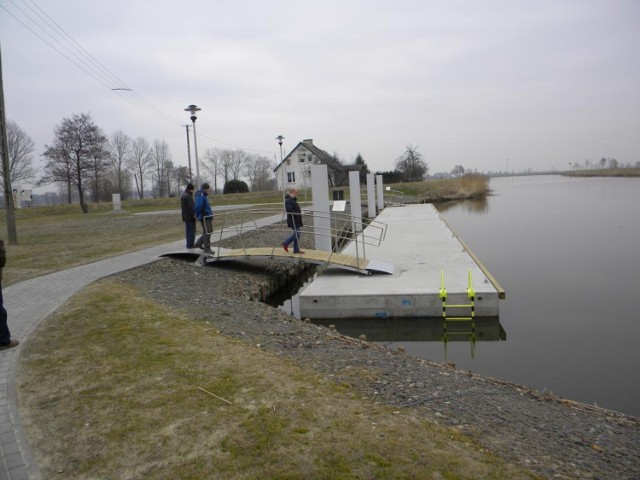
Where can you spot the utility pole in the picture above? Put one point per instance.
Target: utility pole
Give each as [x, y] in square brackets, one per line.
[189, 152]
[280, 138]
[9, 204]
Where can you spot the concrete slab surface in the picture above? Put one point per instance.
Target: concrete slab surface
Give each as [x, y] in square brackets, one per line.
[420, 244]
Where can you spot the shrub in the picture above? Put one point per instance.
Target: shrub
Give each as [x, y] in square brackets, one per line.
[235, 186]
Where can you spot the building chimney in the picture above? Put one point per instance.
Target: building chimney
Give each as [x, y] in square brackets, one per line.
[308, 141]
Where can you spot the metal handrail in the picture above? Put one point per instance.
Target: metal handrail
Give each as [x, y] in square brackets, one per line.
[342, 227]
[394, 198]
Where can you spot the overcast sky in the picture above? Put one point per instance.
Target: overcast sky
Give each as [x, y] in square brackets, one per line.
[489, 85]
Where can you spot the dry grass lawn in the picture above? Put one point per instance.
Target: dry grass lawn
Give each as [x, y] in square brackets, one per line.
[109, 387]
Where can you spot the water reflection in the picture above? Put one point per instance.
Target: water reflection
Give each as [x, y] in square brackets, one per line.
[419, 329]
[475, 205]
[566, 249]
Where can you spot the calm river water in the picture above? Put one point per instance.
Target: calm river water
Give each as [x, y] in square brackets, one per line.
[567, 252]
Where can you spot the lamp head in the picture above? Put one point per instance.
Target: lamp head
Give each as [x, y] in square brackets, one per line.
[192, 109]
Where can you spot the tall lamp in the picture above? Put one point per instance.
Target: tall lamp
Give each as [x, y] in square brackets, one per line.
[280, 138]
[193, 110]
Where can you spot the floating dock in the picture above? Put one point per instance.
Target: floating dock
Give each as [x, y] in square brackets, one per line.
[427, 257]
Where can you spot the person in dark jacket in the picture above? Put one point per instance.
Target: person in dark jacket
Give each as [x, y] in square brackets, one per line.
[189, 214]
[5, 334]
[204, 215]
[294, 220]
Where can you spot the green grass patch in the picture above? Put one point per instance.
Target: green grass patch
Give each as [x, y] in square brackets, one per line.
[108, 387]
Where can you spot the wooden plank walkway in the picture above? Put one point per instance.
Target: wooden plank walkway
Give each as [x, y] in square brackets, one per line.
[342, 260]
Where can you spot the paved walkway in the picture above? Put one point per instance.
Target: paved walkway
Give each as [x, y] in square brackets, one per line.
[31, 301]
[28, 303]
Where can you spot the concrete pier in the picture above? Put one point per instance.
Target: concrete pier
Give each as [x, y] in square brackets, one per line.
[420, 244]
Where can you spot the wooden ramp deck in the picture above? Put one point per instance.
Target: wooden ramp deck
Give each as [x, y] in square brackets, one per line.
[318, 257]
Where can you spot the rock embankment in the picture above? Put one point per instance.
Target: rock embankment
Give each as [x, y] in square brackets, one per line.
[552, 437]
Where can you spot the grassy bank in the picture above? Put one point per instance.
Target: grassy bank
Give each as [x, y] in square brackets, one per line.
[113, 386]
[465, 187]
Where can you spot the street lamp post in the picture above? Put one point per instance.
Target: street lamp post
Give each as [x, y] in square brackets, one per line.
[193, 109]
[189, 153]
[280, 138]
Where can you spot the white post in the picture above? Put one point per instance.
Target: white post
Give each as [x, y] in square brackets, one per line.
[115, 198]
[371, 195]
[355, 202]
[379, 185]
[321, 213]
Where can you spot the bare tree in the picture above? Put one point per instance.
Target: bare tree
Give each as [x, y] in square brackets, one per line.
[120, 146]
[226, 160]
[169, 177]
[69, 159]
[237, 163]
[20, 149]
[59, 169]
[140, 162]
[457, 171]
[211, 164]
[100, 162]
[160, 158]
[411, 165]
[259, 169]
[181, 176]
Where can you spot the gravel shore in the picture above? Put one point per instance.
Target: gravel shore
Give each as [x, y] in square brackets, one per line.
[554, 438]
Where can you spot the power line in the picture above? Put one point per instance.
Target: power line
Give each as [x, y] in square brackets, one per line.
[82, 65]
[85, 61]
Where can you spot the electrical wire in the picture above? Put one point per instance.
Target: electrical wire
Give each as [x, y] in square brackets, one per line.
[61, 41]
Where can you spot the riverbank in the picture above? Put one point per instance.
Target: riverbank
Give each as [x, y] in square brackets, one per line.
[607, 172]
[526, 429]
[553, 437]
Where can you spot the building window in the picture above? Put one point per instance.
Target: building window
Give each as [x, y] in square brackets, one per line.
[291, 177]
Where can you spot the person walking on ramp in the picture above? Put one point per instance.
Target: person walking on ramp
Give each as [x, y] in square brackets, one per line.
[294, 220]
[204, 215]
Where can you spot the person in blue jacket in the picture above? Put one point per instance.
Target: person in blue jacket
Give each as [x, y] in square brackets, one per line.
[294, 221]
[204, 215]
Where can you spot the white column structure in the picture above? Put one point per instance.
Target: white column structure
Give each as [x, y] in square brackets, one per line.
[380, 191]
[115, 199]
[371, 195]
[355, 202]
[321, 213]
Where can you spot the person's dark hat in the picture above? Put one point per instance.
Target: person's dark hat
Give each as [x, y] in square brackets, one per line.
[190, 186]
[205, 186]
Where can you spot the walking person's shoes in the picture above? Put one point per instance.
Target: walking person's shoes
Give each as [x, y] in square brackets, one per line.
[286, 247]
[11, 344]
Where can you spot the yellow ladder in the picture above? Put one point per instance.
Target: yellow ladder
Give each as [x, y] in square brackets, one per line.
[470, 319]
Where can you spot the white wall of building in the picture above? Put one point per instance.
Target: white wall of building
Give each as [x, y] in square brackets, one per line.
[296, 169]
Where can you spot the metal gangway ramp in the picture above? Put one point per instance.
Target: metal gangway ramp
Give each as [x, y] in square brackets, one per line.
[258, 239]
